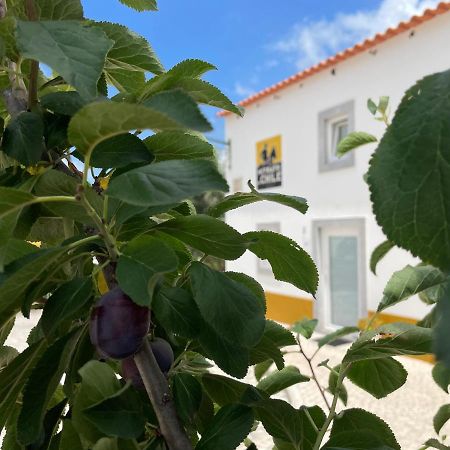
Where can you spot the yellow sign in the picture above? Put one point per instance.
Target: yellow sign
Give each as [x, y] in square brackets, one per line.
[268, 162]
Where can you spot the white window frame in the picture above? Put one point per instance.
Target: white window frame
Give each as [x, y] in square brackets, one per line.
[328, 119]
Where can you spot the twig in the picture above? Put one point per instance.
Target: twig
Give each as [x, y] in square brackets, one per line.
[104, 233]
[313, 373]
[332, 412]
[162, 401]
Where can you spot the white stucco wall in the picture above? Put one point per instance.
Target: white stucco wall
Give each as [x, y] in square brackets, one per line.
[293, 113]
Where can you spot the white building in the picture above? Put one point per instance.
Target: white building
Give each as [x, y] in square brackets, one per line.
[306, 114]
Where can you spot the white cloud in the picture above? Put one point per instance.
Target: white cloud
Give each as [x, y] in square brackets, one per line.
[243, 91]
[311, 42]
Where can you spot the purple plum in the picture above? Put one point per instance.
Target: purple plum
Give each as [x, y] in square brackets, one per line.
[118, 325]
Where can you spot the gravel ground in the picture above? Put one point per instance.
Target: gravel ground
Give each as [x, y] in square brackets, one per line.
[409, 410]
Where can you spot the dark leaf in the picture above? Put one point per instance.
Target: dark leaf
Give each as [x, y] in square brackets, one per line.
[228, 429]
[23, 138]
[289, 261]
[187, 393]
[143, 262]
[379, 253]
[69, 48]
[209, 235]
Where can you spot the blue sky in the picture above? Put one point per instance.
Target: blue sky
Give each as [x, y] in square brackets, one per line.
[255, 43]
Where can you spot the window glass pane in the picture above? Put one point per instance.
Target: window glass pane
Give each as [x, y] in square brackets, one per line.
[344, 280]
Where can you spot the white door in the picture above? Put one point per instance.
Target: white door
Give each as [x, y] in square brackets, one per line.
[341, 261]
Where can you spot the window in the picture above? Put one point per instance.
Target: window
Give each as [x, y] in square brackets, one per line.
[334, 125]
[263, 267]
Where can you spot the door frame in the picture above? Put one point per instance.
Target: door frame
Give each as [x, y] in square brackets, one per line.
[359, 224]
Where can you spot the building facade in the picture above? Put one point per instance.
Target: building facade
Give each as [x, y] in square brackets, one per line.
[286, 143]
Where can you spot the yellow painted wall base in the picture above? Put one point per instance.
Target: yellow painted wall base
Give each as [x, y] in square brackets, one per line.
[288, 309]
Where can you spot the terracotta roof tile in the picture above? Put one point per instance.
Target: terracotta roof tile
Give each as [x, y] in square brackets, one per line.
[369, 43]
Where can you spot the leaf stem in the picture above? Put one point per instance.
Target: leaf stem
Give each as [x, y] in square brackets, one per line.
[161, 399]
[313, 373]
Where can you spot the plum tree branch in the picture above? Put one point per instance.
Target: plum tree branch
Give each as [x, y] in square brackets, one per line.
[34, 69]
[313, 373]
[161, 398]
[332, 413]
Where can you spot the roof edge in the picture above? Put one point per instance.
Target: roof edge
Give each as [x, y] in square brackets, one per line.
[361, 47]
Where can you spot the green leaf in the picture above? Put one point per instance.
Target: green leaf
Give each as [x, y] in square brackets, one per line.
[70, 439]
[261, 368]
[7, 354]
[289, 261]
[181, 108]
[409, 171]
[441, 418]
[166, 182]
[230, 308]
[53, 182]
[379, 253]
[333, 383]
[390, 340]
[190, 68]
[228, 429]
[441, 342]
[6, 329]
[59, 9]
[291, 425]
[23, 138]
[14, 377]
[130, 55]
[207, 234]
[331, 337]
[141, 5]
[187, 392]
[282, 379]
[383, 104]
[251, 283]
[7, 34]
[245, 198]
[441, 376]
[14, 249]
[224, 390]
[120, 151]
[118, 415]
[178, 145]
[106, 444]
[359, 420]
[355, 440]
[73, 49]
[41, 386]
[65, 303]
[378, 377]
[275, 337]
[231, 357]
[204, 92]
[371, 106]
[143, 262]
[66, 103]
[99, 382]
[177, 312]
[408, 282]
[102, 120]
[434, 443]
[305, 327]
[354, 140]
[21, 274]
